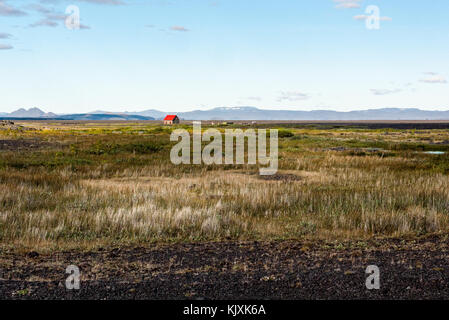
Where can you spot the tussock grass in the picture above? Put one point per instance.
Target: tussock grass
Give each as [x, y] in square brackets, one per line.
[114, 189]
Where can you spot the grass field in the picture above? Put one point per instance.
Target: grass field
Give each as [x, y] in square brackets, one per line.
[79, 184]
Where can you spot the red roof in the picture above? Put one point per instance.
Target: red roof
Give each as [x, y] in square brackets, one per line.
[170, 117]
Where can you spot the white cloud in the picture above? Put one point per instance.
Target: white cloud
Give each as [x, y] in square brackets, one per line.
[108, 2]
[254, 98]
[4, 35]
[292, 96]
[383, 92]
[8, 11]
[363, 17]
[434, 78]
[5, 47]
[179, 28]
[51, 18]
[347, 4]
[44, 23]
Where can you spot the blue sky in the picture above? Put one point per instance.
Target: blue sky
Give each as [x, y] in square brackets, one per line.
[181, 55]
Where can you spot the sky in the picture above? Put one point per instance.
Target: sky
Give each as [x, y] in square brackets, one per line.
[182, 55]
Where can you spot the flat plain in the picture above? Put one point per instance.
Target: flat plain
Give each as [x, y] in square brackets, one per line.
[105, 195]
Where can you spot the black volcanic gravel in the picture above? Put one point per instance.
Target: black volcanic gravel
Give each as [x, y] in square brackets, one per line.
[415, 269]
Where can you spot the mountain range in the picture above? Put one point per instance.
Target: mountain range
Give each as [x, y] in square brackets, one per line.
[240, 113]
[30, 113]
[36, 113]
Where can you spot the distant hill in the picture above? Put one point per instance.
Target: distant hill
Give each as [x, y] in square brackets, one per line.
[156, 114]
[30, 113]
[242, 113]
[99, 116]
[251, 113]
[159, 115]
[36, 113]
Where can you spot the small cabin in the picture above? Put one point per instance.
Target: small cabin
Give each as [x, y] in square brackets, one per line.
[171, 119]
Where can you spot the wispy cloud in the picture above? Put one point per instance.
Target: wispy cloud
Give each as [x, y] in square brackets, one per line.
[107, 2]
[364, 17]
[292, 96]
[179, 29]
[5, 47]
[253, 98]
[383, 92]
[347, 4]
[4, 35]
[44, 23]
[9, 11]
[39, 8]
[51, 18]
[433, 78]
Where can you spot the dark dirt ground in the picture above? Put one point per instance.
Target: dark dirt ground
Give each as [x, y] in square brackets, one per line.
[409, 269]
[24, 144]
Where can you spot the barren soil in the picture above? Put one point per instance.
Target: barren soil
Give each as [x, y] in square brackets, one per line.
[415, 269]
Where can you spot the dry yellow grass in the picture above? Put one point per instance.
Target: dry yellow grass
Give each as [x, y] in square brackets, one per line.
[128, 198]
